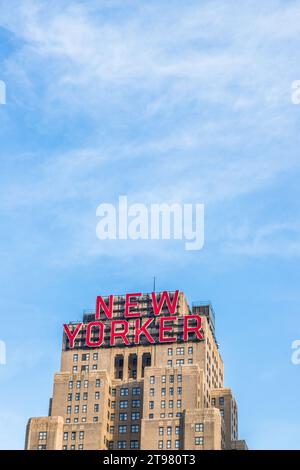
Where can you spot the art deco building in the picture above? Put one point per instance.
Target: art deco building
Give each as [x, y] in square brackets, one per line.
[145, 396]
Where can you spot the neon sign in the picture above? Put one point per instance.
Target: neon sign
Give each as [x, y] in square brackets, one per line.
[134, 325]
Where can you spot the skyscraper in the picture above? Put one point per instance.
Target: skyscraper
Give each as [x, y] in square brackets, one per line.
[143, 371]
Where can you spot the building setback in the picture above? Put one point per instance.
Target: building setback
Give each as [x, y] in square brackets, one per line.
[161, 395]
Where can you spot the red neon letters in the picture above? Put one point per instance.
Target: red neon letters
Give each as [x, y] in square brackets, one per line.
[134, 330]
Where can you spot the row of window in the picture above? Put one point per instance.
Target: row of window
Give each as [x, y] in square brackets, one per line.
[161, 430]
[84, 368]
[169, 444]
[180, 351]
[164, 378]
[125, 391]
[85, 383]
[164, 392]
[84, 396]
[163, 415]
[123, 444]
[85, 357]
[163, 404]
[73, 435]
[179, 362]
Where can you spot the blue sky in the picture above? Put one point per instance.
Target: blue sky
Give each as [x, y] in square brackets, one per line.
[162, 101]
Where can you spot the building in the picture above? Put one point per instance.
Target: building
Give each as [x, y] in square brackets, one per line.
[165, 394]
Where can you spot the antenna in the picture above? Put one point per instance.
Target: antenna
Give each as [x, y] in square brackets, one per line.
[154, 284]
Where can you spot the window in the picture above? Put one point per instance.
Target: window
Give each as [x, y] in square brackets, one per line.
[179, 390]
[73, 447]
[75, 357]
[177, 444]
[222, 413]
[171, 403]
[42, 447]
[190, 361]
[171, 379]
[163, 404]
[113, 392]
[80, 447]
[124, 392]
[161, 431]
[96, 407]
[136, 391]
[86, 384]
[134, 444]
[76, 409]
[95, 366]
[135, 428]
[71, 384]
[123, 417]
[160, 444]
[84, 408]
[177, 430]
[170, 352]
[69, 396]
[65, 447]
[168, 444]
[199, 427]
[221, 401]
[112, 417]
[170, 415]
[78, 384]
[73, 435]
[68, 420]
[178, 403]
[123, 403]
[42, 435]
[151, 416]
[69, 408]
[163, 392]
[112, 429]
[122, 429]
[85, 357]
[213, 401]
[81, 435]
[113, 404]
[97, 383]
[75, 420]
[136, 403]
[163, 379]
[179, 378]
[190, 350]
[97, 395]
[199, 441]
[121, 444]
[85, 368]
[151, 392]
[77, 396]
[135, 415]
[169, 430]
[152, 379]
[151, 405]
[95, 356]
[180, 362]
[95, 419]
[85, 395]
[74, 368]
[171, 391]
[170, 363]
[83, 419]
[162, 415]
[180, 351]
